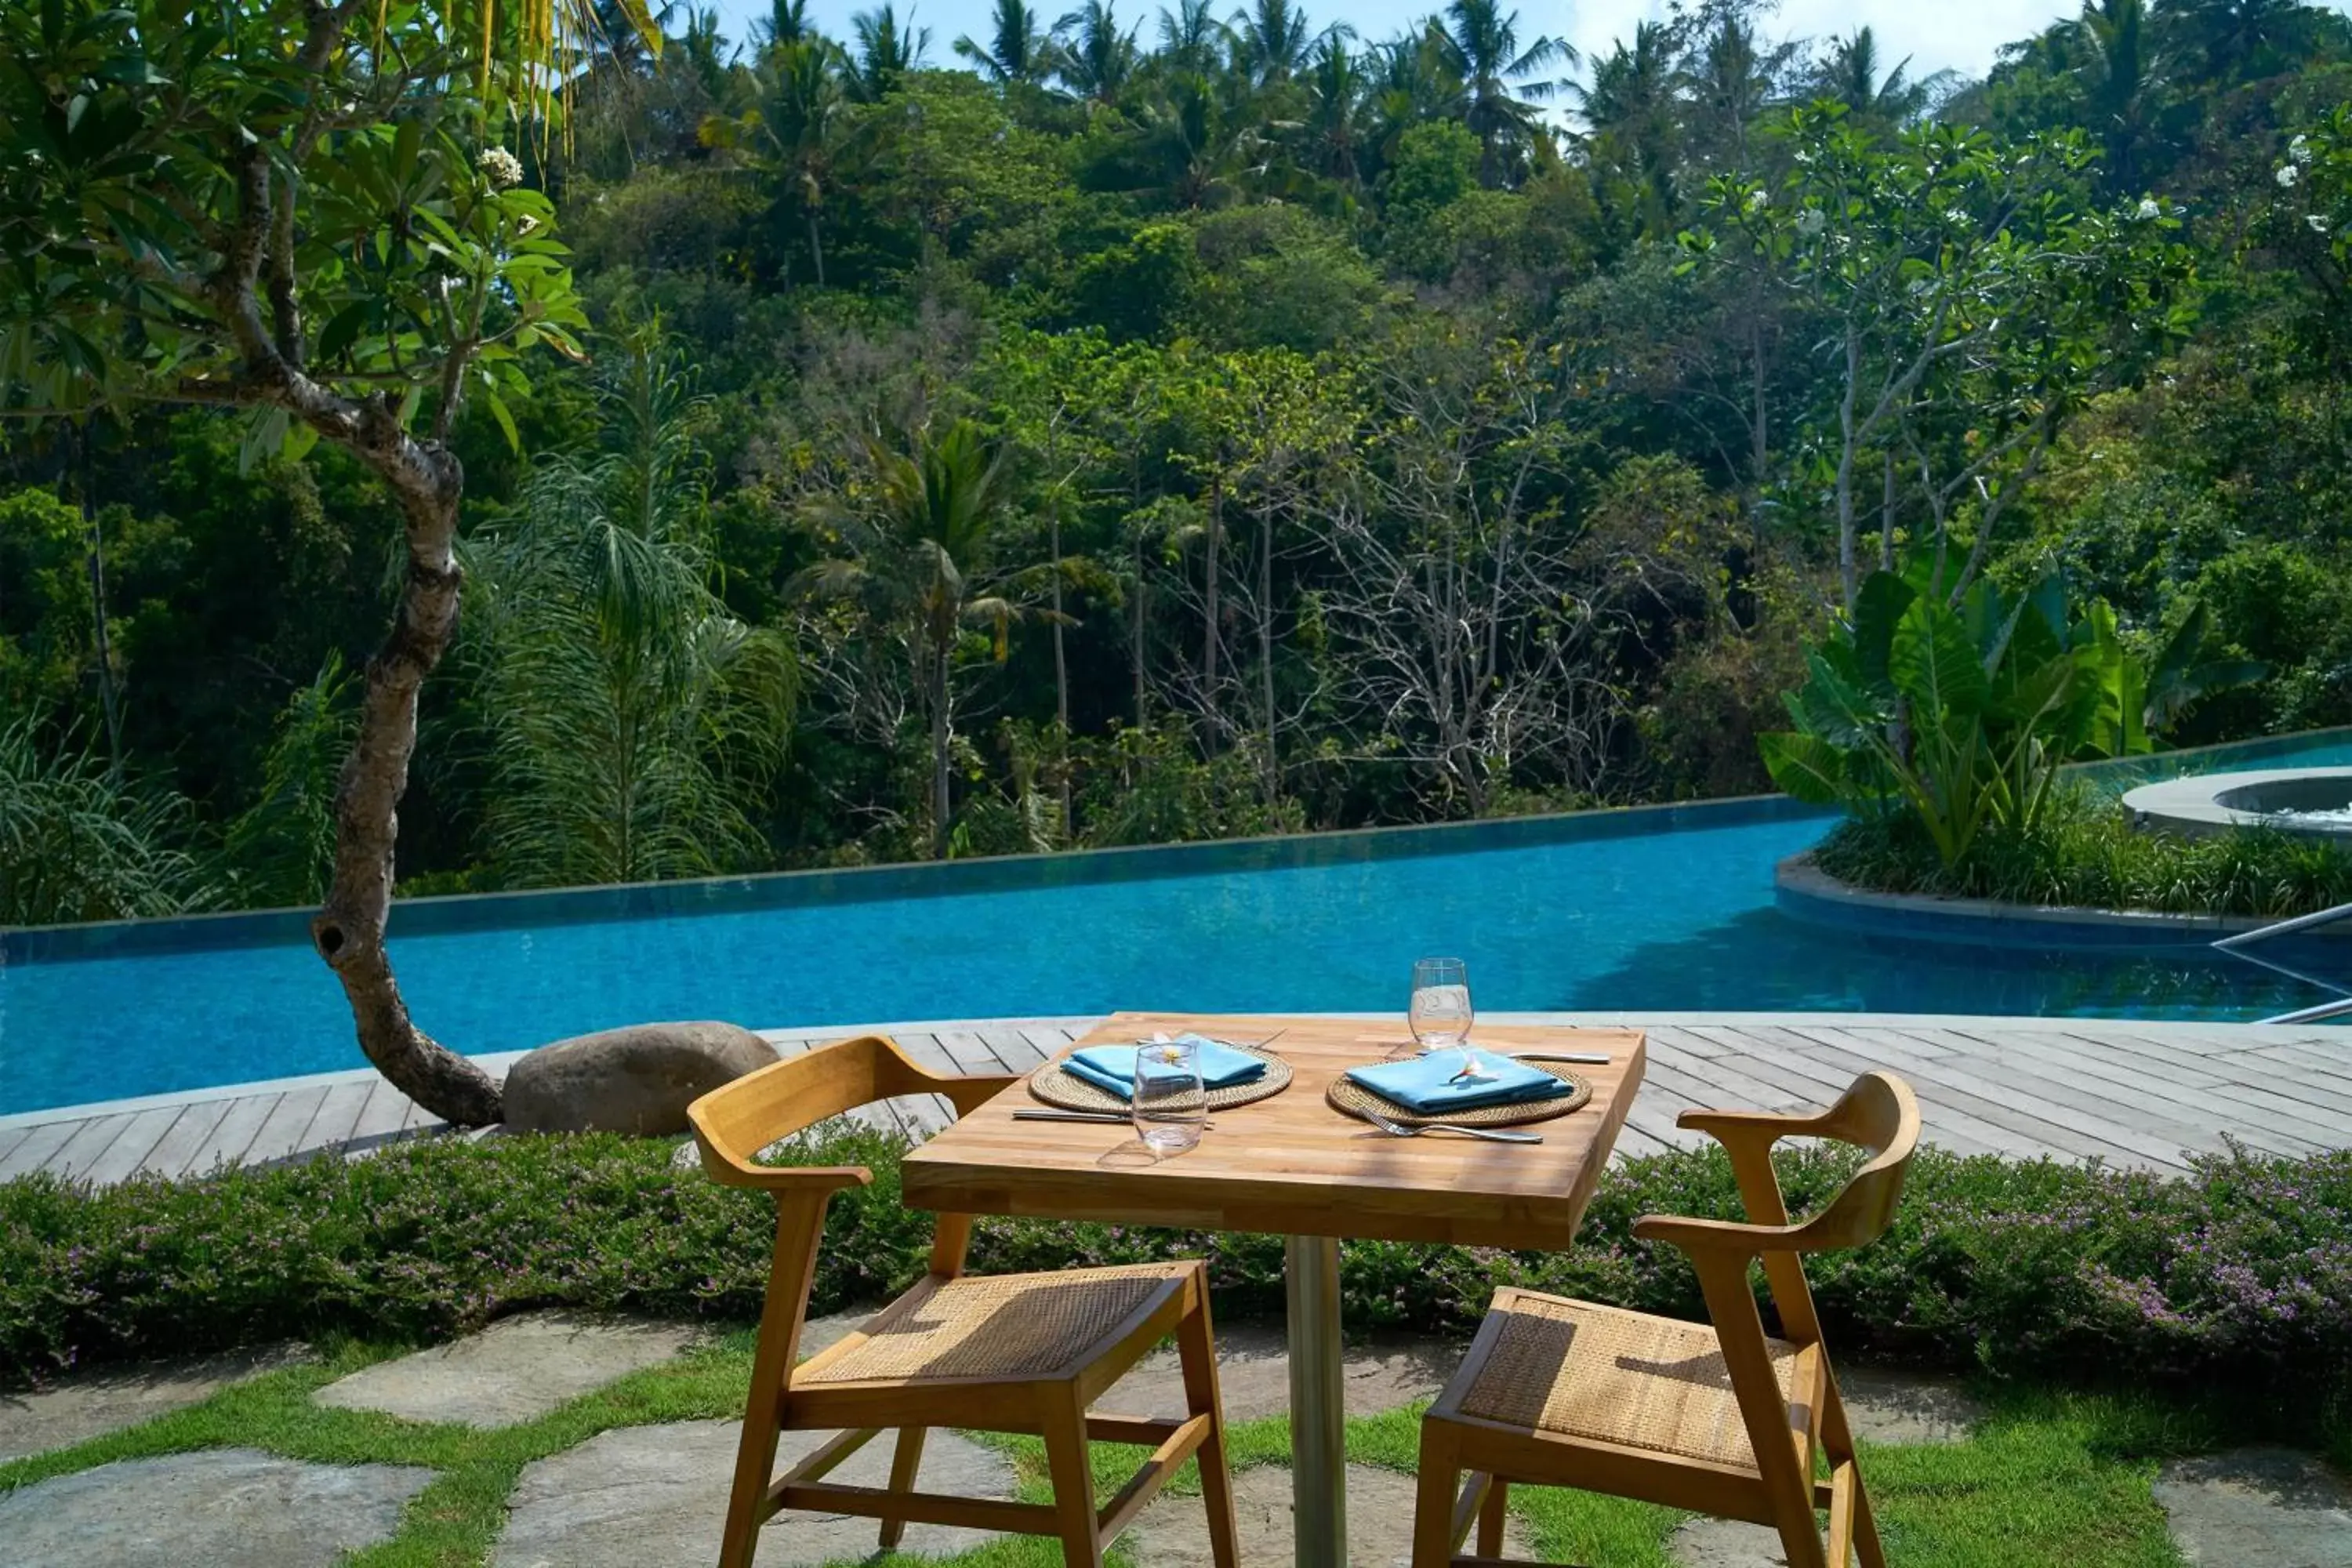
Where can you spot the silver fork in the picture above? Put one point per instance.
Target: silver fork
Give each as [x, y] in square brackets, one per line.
[1493, 1135]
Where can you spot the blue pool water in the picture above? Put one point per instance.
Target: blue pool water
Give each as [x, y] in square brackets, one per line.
[1664, 910]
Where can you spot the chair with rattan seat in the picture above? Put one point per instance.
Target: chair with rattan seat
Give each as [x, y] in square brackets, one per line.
[1719, 1417]
[1025, 1353]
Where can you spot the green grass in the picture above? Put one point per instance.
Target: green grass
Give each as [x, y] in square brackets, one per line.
[2050, 1479]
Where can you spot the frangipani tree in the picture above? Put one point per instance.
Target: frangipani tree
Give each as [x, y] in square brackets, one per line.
[301, 210]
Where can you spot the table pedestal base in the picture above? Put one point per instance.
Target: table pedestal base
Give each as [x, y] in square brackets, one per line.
[1319, 1409]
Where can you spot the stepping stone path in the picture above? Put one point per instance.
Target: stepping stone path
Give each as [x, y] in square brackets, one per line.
[518, 1369]
[91, 1404]
[224, 1505]
[2270, 1506]
[1174, 1531]
[654, 1497]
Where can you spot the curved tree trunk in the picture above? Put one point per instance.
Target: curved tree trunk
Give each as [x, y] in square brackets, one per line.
[349, 931]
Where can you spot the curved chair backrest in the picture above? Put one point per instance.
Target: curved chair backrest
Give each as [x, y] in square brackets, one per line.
[734, 1122]
[1878, 1113]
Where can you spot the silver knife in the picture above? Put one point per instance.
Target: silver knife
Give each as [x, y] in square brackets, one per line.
[1591, 1059]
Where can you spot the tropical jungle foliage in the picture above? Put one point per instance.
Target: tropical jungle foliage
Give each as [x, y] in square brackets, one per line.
[1170, 426]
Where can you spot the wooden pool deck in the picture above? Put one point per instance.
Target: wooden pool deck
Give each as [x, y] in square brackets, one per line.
[2127, 1092]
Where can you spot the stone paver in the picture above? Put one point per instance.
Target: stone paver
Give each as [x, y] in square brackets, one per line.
[92, 1404]
[653, 1497]
[1889, 1406]
[1253, 1372]
[516, 1370]
[2268, 1506]
[223, 1506]
[1174, 1533]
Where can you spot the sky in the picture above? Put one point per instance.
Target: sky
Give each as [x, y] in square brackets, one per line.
[1961, 34]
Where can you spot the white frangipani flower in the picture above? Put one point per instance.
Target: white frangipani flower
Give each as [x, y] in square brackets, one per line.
[2148, 208]
[2317, 223]
[503, 169]
[1756, 199]
[2299, 150]
[2287, 176]
[1811, 221]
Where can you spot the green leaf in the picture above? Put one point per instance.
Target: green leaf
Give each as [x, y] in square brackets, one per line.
[1934, 663]
[497, 407]
[1880, 603]
[1805, 766]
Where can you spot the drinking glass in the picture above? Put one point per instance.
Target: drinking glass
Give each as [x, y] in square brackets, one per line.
[1170, 1103]
[1441, 1004]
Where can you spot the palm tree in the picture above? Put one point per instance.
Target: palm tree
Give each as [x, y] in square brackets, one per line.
[1203, 148]
[1482, 41]
[1270, 40]
[1018, 50]
[1338, 132]
[885, 52]
[2236, 37]
[797, 127]
[2123, 75]
[1849, 74]
[1633, 111]
[787, 21]
[1730, 84]
[919, 557]
[1096, 59]
[634, 724]
[1191, 37]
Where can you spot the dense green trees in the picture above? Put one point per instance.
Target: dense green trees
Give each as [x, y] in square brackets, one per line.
[1185, 422]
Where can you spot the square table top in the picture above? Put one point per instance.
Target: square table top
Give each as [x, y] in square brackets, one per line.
[1292, 1164]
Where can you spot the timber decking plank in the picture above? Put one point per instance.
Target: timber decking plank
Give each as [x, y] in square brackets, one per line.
[171, 1152]
[147, 1128]
[235, 1134]
[88, 1144]
[338, 1113]
[2254, 1111]
[12, 1136]
[2146, 1138]
[968, 1052]
[380, 1119]
[2314, 1063]
[34, 1149]
[2137, 1098]
[1013, 1048]
[279, 1136]
[1958, 1104]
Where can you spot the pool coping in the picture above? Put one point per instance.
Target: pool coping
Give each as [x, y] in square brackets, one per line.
[1803, 891]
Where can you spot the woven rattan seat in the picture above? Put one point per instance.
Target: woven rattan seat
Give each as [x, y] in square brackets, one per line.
[1585, 1370]
[1012, 1327]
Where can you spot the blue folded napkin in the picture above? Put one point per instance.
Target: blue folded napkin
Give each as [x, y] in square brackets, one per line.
[1419, 1083]
[1112, 1068]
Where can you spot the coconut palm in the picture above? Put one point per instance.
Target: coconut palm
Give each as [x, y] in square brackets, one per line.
[1339, 133]
[1729, 83]
[797, 130]
[1018, 50]
[634, 724]
[1191, 37]
[1097, 59]
[1632, 110]
[1271, 38]
[2123, 74]
[884, 52]
[1849, 74]
[787, 21]
[917, 554]
[1482, 41]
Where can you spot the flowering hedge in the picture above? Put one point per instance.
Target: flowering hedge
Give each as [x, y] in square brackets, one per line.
[2241, 1271]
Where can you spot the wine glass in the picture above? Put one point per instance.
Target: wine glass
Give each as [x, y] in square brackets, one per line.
[1441, 1004]
[1169, 1104]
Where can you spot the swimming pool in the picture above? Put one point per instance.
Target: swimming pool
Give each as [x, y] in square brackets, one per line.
[1666, 907]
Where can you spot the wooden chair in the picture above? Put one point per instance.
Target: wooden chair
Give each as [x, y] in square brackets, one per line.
[1011, 1353]
[1720, 1419]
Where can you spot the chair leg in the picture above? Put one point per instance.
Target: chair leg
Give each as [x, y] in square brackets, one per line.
[1433, 1508]
[1491, 1518]
[1837, 1442]
[1073, 1480]
[905, 1459]
[755, 1461]
[1866, 1526]
[1196, 1349]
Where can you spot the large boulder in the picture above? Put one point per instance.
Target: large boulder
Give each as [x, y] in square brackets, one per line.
[638, 1079]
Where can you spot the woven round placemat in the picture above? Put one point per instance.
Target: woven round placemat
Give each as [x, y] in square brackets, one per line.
[1057, 1087]
[1347, 1095]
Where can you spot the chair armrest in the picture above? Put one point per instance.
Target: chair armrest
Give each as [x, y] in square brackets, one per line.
[969, 1091]
[1753, 1129]
[1717, 1236]
[814, 1180]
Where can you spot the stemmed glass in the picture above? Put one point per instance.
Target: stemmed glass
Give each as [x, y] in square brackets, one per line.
[1169, 1104]
[1441, 1011]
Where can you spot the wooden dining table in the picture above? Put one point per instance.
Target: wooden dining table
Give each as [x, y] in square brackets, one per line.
[1293, 1165]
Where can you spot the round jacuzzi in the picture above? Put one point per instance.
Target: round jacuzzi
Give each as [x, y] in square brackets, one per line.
[2314, 803]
